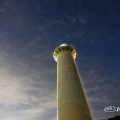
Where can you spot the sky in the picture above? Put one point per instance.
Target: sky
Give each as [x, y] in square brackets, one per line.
[29, 32]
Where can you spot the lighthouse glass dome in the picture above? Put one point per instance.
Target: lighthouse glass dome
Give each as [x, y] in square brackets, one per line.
[63, 44]
[64, 47]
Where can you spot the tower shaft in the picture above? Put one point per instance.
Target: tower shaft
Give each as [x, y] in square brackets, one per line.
[71, 98]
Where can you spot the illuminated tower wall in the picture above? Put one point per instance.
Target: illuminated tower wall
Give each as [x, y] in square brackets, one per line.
[71, 98]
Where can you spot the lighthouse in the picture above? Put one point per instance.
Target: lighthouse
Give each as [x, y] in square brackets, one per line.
[71, 98]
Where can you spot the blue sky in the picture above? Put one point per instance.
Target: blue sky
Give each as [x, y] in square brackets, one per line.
[29, 32]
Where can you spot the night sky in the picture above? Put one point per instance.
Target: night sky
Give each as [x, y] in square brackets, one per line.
[29, 32]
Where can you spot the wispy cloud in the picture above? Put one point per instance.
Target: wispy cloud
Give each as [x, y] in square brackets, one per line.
[26, 91]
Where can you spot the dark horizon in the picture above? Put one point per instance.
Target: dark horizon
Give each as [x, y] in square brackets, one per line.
[117, 117]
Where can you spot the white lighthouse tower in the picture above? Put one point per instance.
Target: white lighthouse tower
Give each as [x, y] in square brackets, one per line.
[71, 99]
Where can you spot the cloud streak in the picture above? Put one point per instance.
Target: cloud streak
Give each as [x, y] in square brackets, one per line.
[26, 92]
